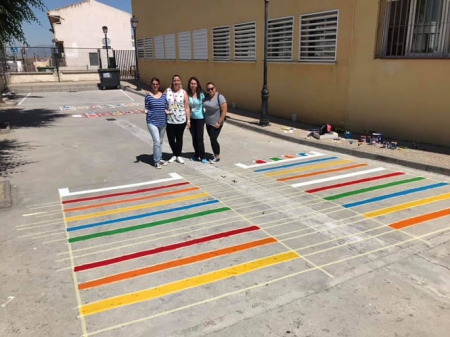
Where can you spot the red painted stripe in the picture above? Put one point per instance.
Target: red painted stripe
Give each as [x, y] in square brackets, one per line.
[354, 182]
[123, 193]
[158, 250]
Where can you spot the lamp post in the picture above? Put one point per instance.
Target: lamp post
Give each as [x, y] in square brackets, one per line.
[264, 121]
[105, 31]
[134, 24]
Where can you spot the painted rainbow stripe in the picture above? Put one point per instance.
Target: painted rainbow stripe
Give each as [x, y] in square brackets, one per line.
[123, 201]
[407, 205]
[146, 225]
[175, 263]
[140, 216]
[420, 219]
[354, 182]
[168, 248]
[394, 195]
[372, 188]
[112, 195]
[294, 164]
[346, 168]
[307, 168]
[189, 283]
[135, 208]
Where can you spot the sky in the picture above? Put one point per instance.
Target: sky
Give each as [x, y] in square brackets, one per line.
[39, 35]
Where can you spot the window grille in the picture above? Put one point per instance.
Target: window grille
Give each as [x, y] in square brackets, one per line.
[245, 41]
[318, 37]
[415, 28]
[200, 39]
[169, 47]
[148, 48]
[221, 43]
[184, 46]
[280, 38]
[159, 47]
[140, 48]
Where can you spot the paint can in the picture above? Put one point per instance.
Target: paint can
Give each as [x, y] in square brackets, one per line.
[377, 136]
[347, 135]
[393, 145]
[363, 139]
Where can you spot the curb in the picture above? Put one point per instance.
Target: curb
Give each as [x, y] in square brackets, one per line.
[332, 148]
[6, 202]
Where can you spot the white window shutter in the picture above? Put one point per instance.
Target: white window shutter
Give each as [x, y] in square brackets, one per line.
[221, 43]
[200, 39]
[184, 46]
[245, 41]
[159, 47]
[280, 39]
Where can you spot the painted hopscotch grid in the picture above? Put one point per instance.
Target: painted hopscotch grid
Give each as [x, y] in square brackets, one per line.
[97, 106]
[110, 233]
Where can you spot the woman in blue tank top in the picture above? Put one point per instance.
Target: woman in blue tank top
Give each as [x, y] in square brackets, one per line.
[155, 108]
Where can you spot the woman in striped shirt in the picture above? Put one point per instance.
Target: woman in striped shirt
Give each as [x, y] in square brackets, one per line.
[155, 108]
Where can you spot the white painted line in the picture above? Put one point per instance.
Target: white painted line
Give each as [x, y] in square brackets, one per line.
[10, 298]
[123, 92]
[343, 176]
[64, 192]
[309, 155]
[31, 214]
[24, 98]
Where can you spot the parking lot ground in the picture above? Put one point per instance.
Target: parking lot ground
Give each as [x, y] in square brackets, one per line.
[278, 239]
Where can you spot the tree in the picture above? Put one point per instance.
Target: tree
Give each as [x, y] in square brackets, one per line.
[12, 14]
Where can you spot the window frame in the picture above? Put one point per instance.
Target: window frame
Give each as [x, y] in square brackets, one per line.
[216, 51]
[322, 15]
[444, 33]
[182, 51]
[195, 42]
[287, 59]
[140, 49]
[254, 42]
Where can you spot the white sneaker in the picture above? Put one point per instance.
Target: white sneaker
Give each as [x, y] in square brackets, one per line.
[180, 160]
[171, 160]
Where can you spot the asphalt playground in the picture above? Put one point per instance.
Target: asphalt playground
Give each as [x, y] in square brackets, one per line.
[278, 239]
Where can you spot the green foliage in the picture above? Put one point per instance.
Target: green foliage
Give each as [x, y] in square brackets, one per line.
[12, 14]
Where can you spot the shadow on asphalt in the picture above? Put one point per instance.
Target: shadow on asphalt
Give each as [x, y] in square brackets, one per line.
[12, 157]
[13, 153]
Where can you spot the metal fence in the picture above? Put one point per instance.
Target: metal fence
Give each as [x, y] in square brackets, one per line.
[126, 61]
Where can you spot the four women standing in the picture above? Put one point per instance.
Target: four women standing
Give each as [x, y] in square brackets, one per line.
[176, 110]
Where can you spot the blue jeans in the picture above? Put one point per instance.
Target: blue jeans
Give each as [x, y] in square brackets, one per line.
[157, 133]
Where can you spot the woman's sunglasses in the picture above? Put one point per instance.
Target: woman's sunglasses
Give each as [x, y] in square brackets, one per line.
[210, 89]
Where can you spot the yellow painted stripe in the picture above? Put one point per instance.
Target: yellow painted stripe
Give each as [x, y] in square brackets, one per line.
[192, 282]
[307, 168]
[407, 205]
[134, 208]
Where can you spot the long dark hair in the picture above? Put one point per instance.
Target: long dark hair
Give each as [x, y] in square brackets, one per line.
[199, 90]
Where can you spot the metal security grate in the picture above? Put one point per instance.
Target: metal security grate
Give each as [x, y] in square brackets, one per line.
[140, 48]
[148, 48]
[415, 29]
[159, 47]
[245, 41]
[318, 37]
[200, 39]
[280, 38]
[169, 47]
[184, 46]
[221, 43]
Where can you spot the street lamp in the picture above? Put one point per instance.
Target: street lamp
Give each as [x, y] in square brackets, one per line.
[134, 24]
[264, 121]
[105, 31]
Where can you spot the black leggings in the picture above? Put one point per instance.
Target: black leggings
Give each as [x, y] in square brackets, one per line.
[197, 130]
[213, 134]
[175, 136]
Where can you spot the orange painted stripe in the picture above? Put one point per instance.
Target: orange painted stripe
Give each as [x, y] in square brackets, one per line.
[175, 263]
[123, 201]
[321, 172]
[419, 219]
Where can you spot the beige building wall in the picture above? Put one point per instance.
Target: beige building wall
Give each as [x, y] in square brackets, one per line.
[403, 99]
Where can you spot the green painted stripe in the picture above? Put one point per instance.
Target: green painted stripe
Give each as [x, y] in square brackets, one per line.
[373, 188]
[146, 225]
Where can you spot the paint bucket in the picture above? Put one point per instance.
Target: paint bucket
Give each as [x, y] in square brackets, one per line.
[377, 136]
[347, 135]
[363, 139]
[393, 145]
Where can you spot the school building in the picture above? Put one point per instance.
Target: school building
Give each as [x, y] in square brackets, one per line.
[362, 65]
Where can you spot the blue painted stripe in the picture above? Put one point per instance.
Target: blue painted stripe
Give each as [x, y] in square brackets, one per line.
[140, 216]
[393, 195]
[295, 164]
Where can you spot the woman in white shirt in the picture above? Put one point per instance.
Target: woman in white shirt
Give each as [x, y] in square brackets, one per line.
[178, 117]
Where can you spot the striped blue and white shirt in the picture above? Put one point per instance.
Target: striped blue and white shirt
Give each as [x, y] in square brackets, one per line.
[156, 110]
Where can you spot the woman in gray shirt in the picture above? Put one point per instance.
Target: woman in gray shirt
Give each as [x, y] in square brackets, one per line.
[215, 107]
